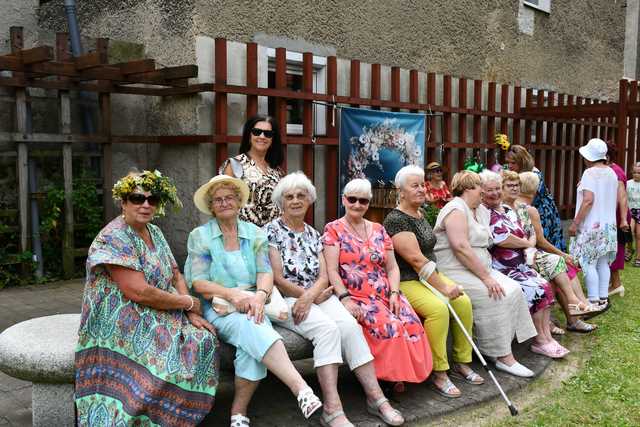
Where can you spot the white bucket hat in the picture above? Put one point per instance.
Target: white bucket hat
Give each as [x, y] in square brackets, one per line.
[596, 149]
[201, 197]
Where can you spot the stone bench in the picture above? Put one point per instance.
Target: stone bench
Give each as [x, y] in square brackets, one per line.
[42, 351]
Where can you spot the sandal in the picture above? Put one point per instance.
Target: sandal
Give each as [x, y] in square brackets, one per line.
[472, 377]
[326, 419]
[239, 420]
[449, 389]
[549, 350]
[580, 309]
[636, 263]
[555, 330]
[628, 255]
[581, 327]
[374, 409]
[560, 348]
[308, 402]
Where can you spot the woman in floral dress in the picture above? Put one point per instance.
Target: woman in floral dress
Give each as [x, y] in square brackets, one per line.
[145, 356]
[365, 276]
[258, 165]
[508, 254]
[520, 160]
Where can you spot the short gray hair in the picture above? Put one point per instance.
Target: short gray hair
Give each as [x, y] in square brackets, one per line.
[487, 176]
[358, 186]
[293, 181]
[407, 171]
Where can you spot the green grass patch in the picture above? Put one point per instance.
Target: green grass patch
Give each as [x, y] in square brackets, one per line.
[606, 391]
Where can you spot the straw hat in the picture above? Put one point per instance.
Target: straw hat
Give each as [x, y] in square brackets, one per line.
[201, 196]
[596, 149]
[433, 165]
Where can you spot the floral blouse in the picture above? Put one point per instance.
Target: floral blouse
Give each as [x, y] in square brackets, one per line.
[440, 196]
[300, 252]
[260, 209]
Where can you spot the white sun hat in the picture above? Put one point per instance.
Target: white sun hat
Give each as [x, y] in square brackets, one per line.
[596, 149]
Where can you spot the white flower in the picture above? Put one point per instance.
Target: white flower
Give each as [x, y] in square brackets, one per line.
[157, 173]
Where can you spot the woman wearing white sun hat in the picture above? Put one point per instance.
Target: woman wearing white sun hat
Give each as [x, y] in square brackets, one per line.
[594, 240]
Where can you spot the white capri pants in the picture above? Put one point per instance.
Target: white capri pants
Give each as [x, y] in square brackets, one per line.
[333, 332]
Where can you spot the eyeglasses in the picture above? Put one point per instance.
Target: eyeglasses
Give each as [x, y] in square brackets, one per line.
[297, 196]
[512, 186]
[139, 199]
[258, 132]
[220, 201]
[352, 199]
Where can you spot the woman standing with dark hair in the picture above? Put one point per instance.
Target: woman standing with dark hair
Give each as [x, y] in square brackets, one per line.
[520, 160]
[258, 165]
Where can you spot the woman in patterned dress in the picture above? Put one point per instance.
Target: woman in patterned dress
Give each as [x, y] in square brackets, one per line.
[436, 191]
[508, 257]
[300, 273]
[365, 276]
[145, 356]
[258, 165]
[519, 160]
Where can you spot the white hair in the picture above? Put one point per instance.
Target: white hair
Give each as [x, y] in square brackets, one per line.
[405, 172]
[293, 181]
[487, 176]
[358, 186]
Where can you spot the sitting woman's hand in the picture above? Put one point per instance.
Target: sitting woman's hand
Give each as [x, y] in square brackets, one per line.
[495, 290]
[569, 260]
[197, 308]
[324, 295]
[240, 301]
[200, 322]
[353, 308]
[453, 292]
[256, 307]
[301, 308]
[394, 303]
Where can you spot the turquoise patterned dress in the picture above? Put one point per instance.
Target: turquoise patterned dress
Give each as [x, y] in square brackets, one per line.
[136, 365]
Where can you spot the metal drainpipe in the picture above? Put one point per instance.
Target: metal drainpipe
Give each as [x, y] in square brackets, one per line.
[36, 243]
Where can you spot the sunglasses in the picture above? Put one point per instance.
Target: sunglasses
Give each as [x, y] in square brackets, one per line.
[352, 199]
[258, 132]
[436, 170]
[139, 199]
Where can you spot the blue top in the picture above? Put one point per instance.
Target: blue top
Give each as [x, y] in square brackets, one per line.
[208, 260]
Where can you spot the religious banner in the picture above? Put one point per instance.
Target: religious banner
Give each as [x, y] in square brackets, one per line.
[375, 145]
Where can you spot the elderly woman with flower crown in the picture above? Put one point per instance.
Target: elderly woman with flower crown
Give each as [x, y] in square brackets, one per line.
[229, 259]
[144, 353]
[300, 273]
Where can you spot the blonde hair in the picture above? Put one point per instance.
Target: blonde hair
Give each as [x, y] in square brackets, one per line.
[464, 180]
[508, 175]
[529, 182]
[521, 157]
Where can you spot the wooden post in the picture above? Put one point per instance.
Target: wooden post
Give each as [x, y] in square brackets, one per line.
[307, 124]
[107, 159]
[331, 162]
[17, 44]
[621, 132]
[462, 122]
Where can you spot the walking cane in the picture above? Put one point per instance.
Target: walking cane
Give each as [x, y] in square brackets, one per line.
[444, 299]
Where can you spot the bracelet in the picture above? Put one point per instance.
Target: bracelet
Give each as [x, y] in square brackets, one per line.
[192, 302]
[343, 296]
[266, 294]
[394, 292]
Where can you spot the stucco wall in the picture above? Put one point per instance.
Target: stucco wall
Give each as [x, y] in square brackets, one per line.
[577, 48]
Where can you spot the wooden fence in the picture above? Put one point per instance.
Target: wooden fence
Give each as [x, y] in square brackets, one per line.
[463, 115]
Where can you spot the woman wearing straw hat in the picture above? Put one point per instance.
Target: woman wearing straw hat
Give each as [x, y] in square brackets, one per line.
[595, 241]
[224, 254]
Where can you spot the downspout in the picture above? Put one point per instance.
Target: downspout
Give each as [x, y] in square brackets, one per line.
[36, 243]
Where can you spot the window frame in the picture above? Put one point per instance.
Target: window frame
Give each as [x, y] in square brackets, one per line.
[541, 5]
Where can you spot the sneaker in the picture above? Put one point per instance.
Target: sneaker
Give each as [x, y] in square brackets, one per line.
[516, 369]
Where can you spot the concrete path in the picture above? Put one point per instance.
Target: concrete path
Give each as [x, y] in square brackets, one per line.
[272, 405]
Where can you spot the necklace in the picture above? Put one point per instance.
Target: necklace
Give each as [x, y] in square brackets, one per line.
[374, 256]
[366, 235]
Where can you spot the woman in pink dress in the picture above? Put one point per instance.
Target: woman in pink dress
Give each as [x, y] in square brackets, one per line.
[365, 276]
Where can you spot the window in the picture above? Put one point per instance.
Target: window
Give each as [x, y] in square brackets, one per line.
[543, 5]
[294, 82]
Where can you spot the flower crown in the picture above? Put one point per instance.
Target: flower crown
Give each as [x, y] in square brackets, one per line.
[155, 183]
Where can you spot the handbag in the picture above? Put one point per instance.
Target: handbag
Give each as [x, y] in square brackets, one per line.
[275, 307]
[624, 237]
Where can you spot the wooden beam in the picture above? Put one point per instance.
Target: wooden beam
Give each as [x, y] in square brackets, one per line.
[88, 60]
[67, 173]
[163, 75]
[136, 67]
[50, 137]
[36, 54]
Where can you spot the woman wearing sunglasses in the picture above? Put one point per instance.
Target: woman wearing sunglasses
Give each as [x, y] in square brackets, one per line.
[258, 165]
[437, 192]
[364, 274]
[137, 318]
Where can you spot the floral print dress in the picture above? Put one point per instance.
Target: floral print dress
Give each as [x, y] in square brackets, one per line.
[398, 343]
[512, 262]
[136, 365]
[549, 215]
[260, 209]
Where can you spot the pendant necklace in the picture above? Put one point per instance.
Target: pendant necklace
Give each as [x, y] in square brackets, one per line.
[374, 257]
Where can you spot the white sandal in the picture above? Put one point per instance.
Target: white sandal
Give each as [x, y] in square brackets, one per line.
[396, 419]
[239, 420]
[308, 402]
[326, 419]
